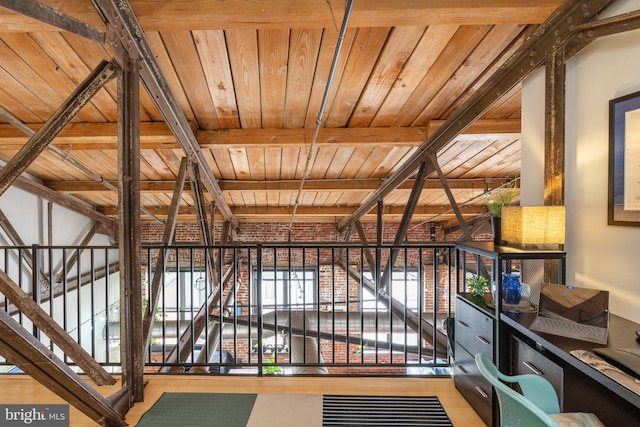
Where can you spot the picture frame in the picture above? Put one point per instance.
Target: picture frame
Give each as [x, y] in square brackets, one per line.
[624, 161]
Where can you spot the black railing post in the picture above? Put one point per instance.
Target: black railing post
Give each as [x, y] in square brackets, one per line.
[35, 284]
[259, 303]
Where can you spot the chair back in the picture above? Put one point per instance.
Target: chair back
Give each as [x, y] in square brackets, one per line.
[515, 409]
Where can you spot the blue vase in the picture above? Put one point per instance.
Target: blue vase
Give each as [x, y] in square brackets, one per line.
[511, 288]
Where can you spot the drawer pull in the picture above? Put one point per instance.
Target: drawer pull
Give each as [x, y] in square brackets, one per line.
[461, 369]
[532, 368]
[482, 393]
[483, 340]
[461, 323]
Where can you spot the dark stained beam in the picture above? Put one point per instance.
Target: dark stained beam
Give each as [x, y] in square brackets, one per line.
[65, 155]
[368, 256]
[37, 360]
[526, 59]
[588, 32]
[182, 350]
[167, 239]
[197, 193]
[102, 74]
[554, 143]
[452, 201]
[71, 262]
[41, 12]
[130, 35]
[50, 328]
[129, 229]
[70, 285]
[16, 240]
[405, 222]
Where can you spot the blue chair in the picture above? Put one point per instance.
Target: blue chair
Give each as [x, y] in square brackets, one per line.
[537, 406]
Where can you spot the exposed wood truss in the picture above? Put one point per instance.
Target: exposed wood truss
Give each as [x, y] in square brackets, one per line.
[249, 80]
[232, 95]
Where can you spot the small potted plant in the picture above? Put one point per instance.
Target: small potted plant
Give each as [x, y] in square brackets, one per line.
[269, 366]
[478, 285]
[503, 197]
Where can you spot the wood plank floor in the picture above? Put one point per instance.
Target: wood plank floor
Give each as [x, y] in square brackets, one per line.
[22, 389]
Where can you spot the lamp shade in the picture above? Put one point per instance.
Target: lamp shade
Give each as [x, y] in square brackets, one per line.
[533, 225]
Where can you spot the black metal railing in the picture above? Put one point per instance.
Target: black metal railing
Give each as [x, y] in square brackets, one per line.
[253, 309]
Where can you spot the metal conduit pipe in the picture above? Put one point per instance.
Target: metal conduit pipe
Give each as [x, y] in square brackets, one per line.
[215, 331]
[325, 97]
[170, 330]
[334, 322]
[305, 349]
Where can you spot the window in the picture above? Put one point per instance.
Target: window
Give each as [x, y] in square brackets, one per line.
[285, 289]
[404, 287]
[184, 293]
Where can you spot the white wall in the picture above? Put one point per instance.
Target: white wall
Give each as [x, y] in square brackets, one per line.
[28, 214]
[598, 255]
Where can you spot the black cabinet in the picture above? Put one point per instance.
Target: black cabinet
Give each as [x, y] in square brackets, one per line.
[505, 336]
[474, 330]
[478, 328]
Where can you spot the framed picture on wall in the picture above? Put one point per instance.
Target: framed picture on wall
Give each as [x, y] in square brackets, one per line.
[624, 160]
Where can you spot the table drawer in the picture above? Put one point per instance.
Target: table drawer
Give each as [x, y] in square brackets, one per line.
[472, 385]
[527, 360]
[474, 330]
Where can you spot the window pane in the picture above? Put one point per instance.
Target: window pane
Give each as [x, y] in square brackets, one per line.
[404, 284]
[288, 289]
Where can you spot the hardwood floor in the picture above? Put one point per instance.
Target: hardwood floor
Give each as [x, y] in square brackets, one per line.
[23, 390]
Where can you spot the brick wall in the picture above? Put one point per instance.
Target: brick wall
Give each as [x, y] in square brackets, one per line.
[299, 233]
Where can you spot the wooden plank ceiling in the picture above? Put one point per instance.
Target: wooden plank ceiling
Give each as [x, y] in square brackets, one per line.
[250, 77]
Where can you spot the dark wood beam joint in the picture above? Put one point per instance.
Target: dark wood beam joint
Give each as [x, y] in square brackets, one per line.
[585, 33]
[167, 239]
[403, 227]
[452, 200]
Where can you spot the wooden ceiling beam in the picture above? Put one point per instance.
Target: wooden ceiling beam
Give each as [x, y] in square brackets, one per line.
[157, 135]
[312, 211]
[161, 15]
[347, 185]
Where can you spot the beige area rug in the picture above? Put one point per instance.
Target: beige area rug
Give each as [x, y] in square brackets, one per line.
[286, 410]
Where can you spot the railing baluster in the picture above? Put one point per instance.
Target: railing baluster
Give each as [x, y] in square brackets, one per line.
[328, 294]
